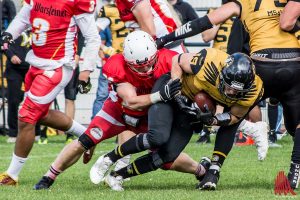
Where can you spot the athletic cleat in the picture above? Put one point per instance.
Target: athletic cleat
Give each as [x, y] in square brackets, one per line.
[259, 132]
[43, 140]
[5, 179]
[210, 180]
[44, 183]
[294, 176]
[114, 182]
[204, 138]
[99, 169]
[205, 162]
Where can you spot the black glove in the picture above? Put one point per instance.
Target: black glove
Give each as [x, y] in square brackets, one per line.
[185, 105]
[160, 42]
[6, 40]
[84, 87]
[168, 91]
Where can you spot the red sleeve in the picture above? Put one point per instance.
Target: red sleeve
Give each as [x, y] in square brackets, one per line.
[164, 62]
[84, 6]
[130, 3]
[27, 1]
[114, 69]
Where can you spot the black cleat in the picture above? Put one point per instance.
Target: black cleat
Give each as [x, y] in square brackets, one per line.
[204, 138]
[294, 176]
[210, 180]
[205, 162]
[44, 183]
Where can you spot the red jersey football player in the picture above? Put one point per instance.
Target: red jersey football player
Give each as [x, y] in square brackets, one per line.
[154, 17]
[54, 29]
[131, 76]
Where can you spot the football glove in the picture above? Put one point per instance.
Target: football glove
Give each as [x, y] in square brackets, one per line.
[84, 87]
[168, 91]
[6, 40]
[160, 42]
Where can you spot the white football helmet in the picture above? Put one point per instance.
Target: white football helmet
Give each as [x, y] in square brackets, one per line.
[140, 53]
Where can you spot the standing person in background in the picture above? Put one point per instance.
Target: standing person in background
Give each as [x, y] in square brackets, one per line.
[16, 69]
[184, 10]
[52, 64]
[8, 13]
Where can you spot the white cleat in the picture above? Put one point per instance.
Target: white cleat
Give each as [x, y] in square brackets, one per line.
[259, 132]
[99, 169]
[115, 183]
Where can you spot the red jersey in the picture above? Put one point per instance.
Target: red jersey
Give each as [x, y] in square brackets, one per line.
[163, 19]
[54, 28]
[116, 71]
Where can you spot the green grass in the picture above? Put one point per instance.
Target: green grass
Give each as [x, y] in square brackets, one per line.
[242, 176]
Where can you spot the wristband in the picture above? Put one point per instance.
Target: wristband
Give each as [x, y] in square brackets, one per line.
[155, 97]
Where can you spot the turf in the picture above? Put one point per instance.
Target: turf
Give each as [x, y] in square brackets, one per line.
[242, 176]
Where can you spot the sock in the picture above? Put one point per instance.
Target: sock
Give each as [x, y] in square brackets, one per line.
[123, 162]
[273, 116]
[52, 172]
[223, 144]
[296, 148]
[135, 144]
[15, 166]
[76, 129]
[141, 165]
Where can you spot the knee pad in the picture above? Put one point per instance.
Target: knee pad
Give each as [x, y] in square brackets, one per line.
[167, 166]
[158, 139]
[86, 141]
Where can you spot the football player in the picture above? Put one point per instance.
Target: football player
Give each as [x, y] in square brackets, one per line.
[132, 76]
[154, 16]
[276, 55]
[230, 80]
[54, 29]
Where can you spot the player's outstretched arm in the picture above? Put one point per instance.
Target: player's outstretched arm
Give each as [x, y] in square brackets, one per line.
[289, 17]
[199, 25]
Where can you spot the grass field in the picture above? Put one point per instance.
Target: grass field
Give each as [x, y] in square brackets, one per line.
[242, 176]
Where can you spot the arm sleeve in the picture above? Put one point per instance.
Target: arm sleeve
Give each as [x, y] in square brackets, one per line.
[21, 22]
[87, 25]
[187, 30]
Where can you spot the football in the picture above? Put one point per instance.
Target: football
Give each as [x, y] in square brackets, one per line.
[202, 99]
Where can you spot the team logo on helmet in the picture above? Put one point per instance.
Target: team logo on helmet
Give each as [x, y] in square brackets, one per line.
[229, 61]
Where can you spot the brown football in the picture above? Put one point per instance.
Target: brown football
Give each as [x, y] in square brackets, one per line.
[203, 99]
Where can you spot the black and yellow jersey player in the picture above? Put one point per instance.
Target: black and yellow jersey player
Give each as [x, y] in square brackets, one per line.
[219, 34]
[229, 79]
[109, 16]
[276, 56]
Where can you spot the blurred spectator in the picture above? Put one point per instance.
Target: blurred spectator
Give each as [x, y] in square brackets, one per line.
[184, 10]
[8, 13]
[16, 69]
[102, 90]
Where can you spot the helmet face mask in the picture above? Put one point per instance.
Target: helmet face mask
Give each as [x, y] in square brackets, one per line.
[237, 77]
[140, 53]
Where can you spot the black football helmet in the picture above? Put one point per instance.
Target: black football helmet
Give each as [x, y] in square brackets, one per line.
[238, 74]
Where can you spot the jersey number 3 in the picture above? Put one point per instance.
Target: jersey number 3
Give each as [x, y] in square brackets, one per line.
[40, 27]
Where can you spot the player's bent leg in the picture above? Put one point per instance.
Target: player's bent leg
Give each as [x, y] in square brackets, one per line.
[184, 163]
[67, 157]
[144, 164]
